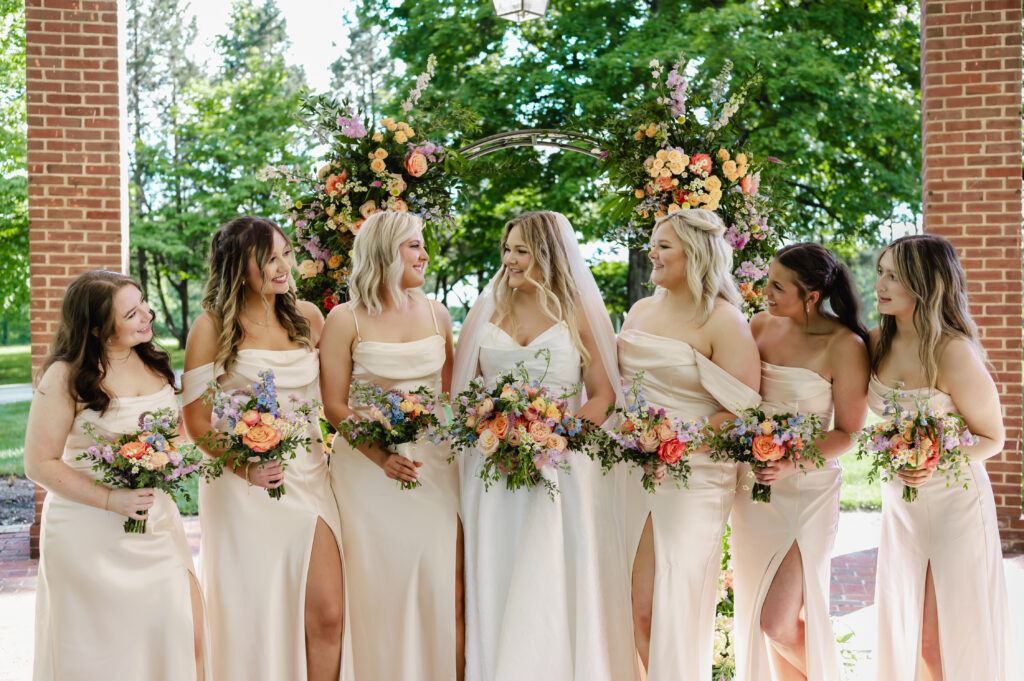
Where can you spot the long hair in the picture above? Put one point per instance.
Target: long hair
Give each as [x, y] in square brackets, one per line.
[708, 258]
[928, 268]
[558, 293]
[88, 306]
[815, 268]
[230, 249]
[376, 268]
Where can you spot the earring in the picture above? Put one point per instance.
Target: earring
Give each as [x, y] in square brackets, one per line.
[807, 309]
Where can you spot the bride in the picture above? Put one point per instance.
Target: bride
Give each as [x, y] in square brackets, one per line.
[547, 586]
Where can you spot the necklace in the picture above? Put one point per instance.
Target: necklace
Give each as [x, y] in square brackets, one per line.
[121, 360]
[255, 323]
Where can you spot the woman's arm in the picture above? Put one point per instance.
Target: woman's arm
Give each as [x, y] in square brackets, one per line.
[335, 381]
[850, 370]
[734, 350]
[964, 376]
[50, 420]
[445, 322]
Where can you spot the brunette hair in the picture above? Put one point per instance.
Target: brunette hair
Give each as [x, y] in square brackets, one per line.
[224, 296]
[928, 268]
[815, 268]
[86, 323]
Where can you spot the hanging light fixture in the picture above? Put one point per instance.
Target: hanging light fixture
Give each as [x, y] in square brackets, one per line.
[520, 10]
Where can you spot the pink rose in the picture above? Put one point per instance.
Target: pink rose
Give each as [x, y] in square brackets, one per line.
[539, 431]
[649, 441]
[665, 432]
[367, 209]
[251, 417]
[416, 164]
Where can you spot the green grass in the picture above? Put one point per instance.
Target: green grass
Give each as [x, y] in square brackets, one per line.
[15, 364]
[857, 493]
[12, 438]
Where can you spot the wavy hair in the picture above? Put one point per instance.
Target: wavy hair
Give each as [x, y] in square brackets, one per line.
[224, 297]
[558, 294]
[88, 307]
[376, 272]
[927, 266]
[815, 268]
[708, 257]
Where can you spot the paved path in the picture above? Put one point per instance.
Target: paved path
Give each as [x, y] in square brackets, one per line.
[852, 602]
[15, 392]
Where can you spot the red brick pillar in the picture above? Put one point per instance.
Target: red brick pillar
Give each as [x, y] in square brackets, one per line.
[971, 106]
[74, 157]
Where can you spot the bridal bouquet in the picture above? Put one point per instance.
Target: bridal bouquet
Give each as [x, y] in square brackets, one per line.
[520, 427]
[147, 457]
[757, 439]
[404, 163]
[914, 440]
[397, 419]
[674, 149]
[648, 439]
[257, 429]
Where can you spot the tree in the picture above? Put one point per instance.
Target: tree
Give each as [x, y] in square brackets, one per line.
[361, 73]
[838, 102]
[14, 262]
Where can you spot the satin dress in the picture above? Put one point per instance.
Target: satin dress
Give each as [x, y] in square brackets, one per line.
[400, 545]
[955, 530]
[254, 550]
[805, 509]
[110, 604]
[687, 522]
[546, 580]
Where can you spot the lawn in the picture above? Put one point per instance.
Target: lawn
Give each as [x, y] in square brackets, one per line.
[16, 360]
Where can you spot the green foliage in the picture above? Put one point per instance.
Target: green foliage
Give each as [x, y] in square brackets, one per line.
[13, 417]
[14, 269]
[610, 276]
[15, 364]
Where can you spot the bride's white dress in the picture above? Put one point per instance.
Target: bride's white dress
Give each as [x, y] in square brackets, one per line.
[546, 580]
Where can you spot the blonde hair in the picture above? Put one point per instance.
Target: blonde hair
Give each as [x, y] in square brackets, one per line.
[376, 267]
[928, 268]
[224, 296]
[558, 294]
[708, 257]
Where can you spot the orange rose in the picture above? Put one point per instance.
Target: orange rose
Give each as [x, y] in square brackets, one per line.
[556, 442]
[251, 417]
[796, 445]
[665, 432]
[482, 426]
[262, 438]
[539, 431]
[356, 226]
[700, 163]
[515, 436]
[499, 426]
[664, 183]
[765, 449]
[416, 165]
[134, 450]
[158, 459]
[649, 441]
[334, 183]
[671, 451]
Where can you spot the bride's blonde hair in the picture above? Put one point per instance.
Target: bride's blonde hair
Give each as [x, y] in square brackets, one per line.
[549, 263]
[376, 267]
[708, 257]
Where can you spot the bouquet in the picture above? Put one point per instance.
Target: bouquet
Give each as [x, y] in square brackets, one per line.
[520, 426]
[408, 163]
[397, 419]
[676, 148]
[914, 440]
[257, 429]
[147, 457]
[648, 439]
[757, 439]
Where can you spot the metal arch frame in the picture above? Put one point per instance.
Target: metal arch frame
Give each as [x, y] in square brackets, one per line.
[535, 137]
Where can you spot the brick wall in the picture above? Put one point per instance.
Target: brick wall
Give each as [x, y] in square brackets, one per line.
[74, 159]
[971, 106]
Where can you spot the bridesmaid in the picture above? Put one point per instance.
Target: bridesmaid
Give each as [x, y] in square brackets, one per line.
[811, 359]
[940, 588]
[403, 547]
[109, 604]
[546, 580]
[271, 569]
[698, 359]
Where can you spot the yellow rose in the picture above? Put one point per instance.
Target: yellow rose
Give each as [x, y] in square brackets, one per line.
[741, 159]
[552, 412]
[673, 208]
[335, 262]
[639, 193]
[676, 168]
[675, 156]
[377, 165]
[723, 155]
[638, 135]
[665, 172]
[377, 137]
[310, 268]
[400, 137]
[652, 130]
[662, 155]
[267, 419]
[557, 442]
[685, 160]
[330, 209]
[157, 458]
[241, 428]
[712, 183]
[767, 427]
[405, 406]
[381, 152]
[729, 168]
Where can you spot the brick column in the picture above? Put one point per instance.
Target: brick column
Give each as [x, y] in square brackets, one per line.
[74, 157]
[971, 106]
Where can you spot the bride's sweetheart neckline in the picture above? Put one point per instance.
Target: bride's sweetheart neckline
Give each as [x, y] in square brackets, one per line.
[535, 338]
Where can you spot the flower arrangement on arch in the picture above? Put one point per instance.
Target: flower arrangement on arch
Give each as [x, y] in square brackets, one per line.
[909, 440]
[757, 438]
[147, 457]
[675, 149]
[408, 163]
[256, 429]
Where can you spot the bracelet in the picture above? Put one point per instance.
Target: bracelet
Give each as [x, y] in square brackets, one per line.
[106, 504]
[247, 473]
